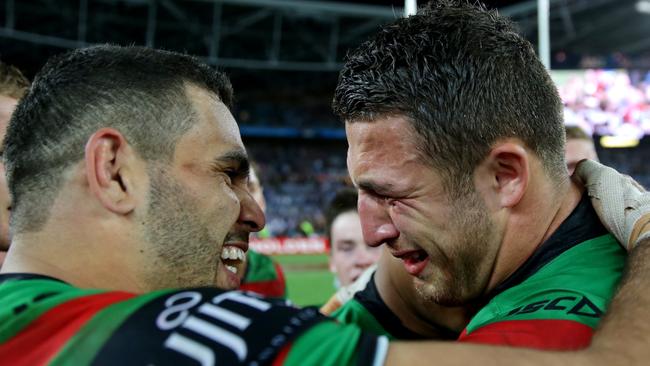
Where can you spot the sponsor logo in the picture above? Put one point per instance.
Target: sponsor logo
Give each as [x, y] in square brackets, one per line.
[571, 305]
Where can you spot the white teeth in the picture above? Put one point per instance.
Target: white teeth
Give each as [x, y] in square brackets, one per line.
[225, 253]
[232, 253]
[231, 269]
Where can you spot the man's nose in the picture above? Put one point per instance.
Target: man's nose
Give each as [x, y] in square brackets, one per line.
[251, 215]
[376, 223]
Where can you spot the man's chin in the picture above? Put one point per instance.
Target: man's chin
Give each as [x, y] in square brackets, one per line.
[439, 294]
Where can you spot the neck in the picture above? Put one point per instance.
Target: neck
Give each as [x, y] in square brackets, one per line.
[87, 263]
[542, 210]
[423, 317]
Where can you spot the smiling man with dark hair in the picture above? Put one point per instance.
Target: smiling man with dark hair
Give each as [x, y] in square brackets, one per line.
[130, 188]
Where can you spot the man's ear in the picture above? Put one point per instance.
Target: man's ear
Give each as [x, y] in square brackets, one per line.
[109, 170]
[507, 168]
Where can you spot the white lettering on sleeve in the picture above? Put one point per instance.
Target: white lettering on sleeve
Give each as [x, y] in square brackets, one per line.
[190, 348]
[219, 335]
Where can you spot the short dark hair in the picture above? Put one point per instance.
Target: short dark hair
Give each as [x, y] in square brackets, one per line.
[576, 133]
[12, 82]
[345, 200]
[139, 91]
[463, 78]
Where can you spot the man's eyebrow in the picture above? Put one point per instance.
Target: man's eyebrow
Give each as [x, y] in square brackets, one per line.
[373, 187]
[237, 159]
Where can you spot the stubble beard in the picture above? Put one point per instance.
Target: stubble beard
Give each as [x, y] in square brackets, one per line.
[180, 250]
[466, 274]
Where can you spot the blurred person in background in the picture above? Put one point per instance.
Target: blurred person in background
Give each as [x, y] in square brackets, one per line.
[349, 254]
[579, 146]
[13, 85]
[261, 273]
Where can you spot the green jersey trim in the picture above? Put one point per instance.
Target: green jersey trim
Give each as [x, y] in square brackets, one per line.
[353, 312]
[577, 285]
[27, 303]
[259, 268]
[82, 348]
[330, 343]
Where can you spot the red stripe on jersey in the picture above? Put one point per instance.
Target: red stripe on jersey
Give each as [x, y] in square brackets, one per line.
[282, 355]
[40, 341]
[547, 334]
[272, 288]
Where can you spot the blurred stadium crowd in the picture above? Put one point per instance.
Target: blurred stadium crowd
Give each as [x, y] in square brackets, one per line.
[607, 102]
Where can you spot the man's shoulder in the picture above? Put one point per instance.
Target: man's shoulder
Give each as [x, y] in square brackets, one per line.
[62, 323]
[585, 274]
[569, 293]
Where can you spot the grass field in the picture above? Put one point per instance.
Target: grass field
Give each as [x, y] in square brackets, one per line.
[309, 281]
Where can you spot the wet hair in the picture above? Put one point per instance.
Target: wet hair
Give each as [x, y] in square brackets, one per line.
[463, 78]
[141, 92]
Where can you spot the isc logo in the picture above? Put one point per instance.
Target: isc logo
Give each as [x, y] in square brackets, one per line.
[567, 304]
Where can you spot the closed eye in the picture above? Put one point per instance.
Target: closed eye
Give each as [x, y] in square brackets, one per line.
[234, 165]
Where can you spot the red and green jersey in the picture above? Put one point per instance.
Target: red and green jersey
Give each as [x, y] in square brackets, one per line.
[44, 321]
[263, 276]
[557, 298]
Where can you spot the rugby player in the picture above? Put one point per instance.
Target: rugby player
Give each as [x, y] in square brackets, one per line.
[456, 143]
[129, 183]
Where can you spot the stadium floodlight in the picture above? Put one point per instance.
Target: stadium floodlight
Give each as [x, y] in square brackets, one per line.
[643, 6]
[410, 7]
[618, 142]
[543, 32]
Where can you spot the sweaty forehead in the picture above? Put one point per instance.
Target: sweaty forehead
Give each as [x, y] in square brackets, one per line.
[214, 133]
[385, 142]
